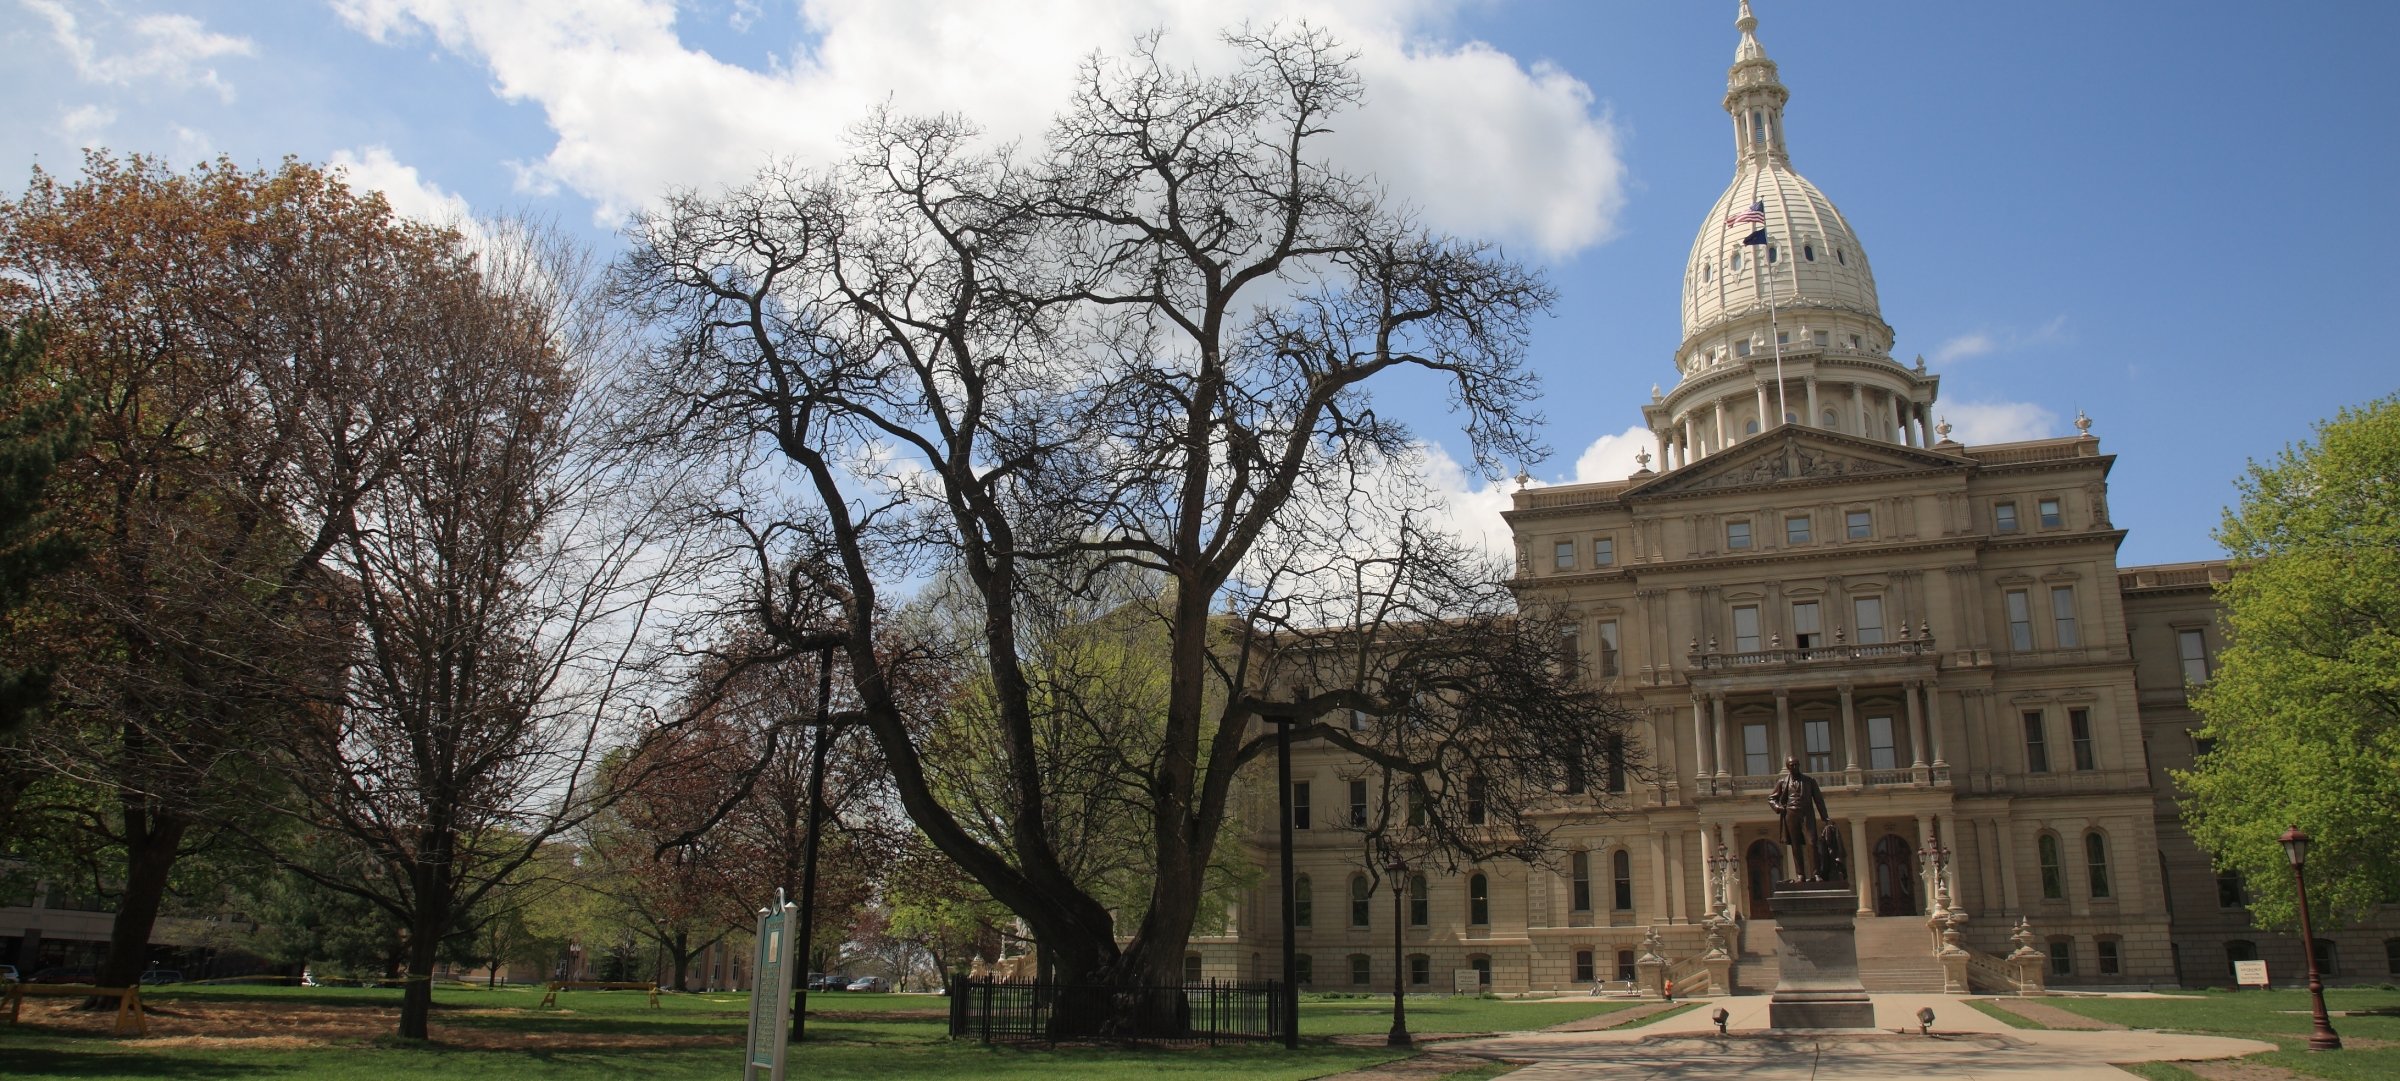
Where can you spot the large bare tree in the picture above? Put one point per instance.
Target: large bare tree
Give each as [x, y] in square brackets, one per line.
[1147, 346]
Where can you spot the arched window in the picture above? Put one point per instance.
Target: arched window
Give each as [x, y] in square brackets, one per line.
[1758, 126]
[1770, 253]
[1303, 902]
[1362, 970]
[1419, 902]
[2237, 951]
[2391, 956]
[1808, 252]
[1708, 272]
[1585, 974]
[1360, 908]
[1750, 428]
[1479, 900]
[1305, 969]
[2062, 956]
[1737, 258]
[1620, 869]
[2054, 883]
[1580, 885]
[2095, 859]
[1420, 970]
[1482, 964]
[1625, 965]
[1833, 419]
[1191, 968]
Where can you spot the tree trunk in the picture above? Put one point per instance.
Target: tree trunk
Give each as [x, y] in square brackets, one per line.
[424, 946]
[152, 839]
[680, 949]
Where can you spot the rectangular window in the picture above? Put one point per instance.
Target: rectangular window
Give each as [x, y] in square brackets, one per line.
[1420, 970]
[1604, 551]
[1475, 807]
[1741, 348]
[1824, 338]
[1362, 970]
[2095, 862]
[1620, 868]
[1745, 629]
[2328, 961]
[2004, 518]
[1737, 535]
[2037, 752]
[1808, 627]
[2108, 956]
[2020, 620]
[1608, 648]
[1358, 804]
[2079, 726]
[1299, 805]
[1420, 901]
[1867, 612]
[1580, 886]
[2062, 957]
[1583, 966]
[1562, 555]
[1754, 751]
[1795, 529]
[1861, 524]
[1362, 903]
[1819, 737]
[1304, 969]
[2062, 617]
[1479, 900]
[2051, 518]
[2192, 646]
[2230, 893]
[1881, 753]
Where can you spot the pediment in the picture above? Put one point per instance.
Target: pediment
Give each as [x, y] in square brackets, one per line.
[1795, 455]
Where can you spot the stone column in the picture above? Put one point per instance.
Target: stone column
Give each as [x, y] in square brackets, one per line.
[1858, 410]
[1659, 910]
[2003, 826]
[1813, 419]
[1762, 409]
[1716, 705]
[1916, 722]
[1721, 442]
[1779, 743]
[1679, 896]
[1850, 729]
[1700, 741]
[1933, 719]
[1862, 867]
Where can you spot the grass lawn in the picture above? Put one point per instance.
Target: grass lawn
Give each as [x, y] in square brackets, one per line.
[344, 1034]
[2372, 1041]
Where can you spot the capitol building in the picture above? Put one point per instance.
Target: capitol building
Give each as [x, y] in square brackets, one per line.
[1807, 565]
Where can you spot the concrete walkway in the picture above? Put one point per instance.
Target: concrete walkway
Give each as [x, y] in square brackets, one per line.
[1965, 1043]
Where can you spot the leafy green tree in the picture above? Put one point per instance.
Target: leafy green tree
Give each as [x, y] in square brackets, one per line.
[2304, 705]
[41, 425]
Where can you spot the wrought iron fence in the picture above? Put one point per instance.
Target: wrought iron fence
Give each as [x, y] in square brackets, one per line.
[1208, 1012]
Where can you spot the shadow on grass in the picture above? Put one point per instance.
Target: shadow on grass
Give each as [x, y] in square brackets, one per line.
[48, 1062]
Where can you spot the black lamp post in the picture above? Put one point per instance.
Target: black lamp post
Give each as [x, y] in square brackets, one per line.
[823, 736]
[2322, 1038]
[1399, 1036]
[1288, 996]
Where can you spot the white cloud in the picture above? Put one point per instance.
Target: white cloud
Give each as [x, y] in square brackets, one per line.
[169, 50]
[409, 193]
[83, 125]
[1469, 506]
[1479, 143]
[1611, 457]
[1983, 342]
[1999, 422]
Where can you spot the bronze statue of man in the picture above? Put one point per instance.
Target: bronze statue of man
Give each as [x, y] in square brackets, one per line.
[1800, 804]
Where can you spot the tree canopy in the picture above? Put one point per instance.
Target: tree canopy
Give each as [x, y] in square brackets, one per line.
[2304, 704]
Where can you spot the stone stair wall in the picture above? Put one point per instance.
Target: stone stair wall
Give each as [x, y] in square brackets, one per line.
[1895, 954]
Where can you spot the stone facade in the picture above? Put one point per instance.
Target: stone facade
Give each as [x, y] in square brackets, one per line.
[1940, 632]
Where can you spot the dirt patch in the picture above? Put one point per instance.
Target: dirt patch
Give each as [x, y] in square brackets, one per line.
[2235, 1069]
[871, 1017]
[1426, 1067]
[2052, 1017]
[271, 1026]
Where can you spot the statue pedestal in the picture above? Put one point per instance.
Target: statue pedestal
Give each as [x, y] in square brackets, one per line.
[1817, 957]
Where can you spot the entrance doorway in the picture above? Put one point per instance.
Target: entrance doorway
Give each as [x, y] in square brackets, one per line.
[1764, 864]
[1895, 877]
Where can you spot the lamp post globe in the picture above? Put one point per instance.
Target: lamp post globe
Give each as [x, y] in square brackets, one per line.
[2321, 1036]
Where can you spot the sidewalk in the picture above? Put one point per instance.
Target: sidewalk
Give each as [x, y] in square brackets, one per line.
[1965, 1043]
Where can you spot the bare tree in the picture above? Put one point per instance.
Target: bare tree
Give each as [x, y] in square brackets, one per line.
[1149, 346]
[495, 598]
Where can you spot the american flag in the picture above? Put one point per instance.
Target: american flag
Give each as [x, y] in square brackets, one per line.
[1756, 215]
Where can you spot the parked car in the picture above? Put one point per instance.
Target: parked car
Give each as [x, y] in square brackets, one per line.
[64, 975]
[159, 977]
[869, 983]
[8, 973]
[836, 982]
[816, 981]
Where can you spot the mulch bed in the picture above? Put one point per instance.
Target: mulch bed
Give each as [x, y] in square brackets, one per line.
[2053, 1017]
[270, 1026]
[1426, 1067]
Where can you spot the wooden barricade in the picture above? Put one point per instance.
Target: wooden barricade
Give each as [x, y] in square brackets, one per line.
[556, 986]
[130, 1019]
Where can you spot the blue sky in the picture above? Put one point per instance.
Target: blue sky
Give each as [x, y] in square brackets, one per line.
[2139, 210]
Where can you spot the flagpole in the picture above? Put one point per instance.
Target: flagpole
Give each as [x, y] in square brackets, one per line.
[1775, 337]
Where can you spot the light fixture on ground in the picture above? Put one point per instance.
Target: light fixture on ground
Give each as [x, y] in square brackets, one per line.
[1924, 1020]
[2322, 1036]
[1719, 1017]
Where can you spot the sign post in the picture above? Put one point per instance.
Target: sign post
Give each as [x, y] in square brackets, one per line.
[770, 991]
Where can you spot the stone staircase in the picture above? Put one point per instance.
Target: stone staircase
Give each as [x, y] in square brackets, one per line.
[1755, 967]
[1895, 954]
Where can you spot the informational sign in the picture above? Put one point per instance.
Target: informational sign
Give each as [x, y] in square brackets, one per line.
[770, 994]
[2250, 973]
[1466, 981]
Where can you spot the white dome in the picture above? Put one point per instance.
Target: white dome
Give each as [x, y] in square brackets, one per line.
[1817, 261]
